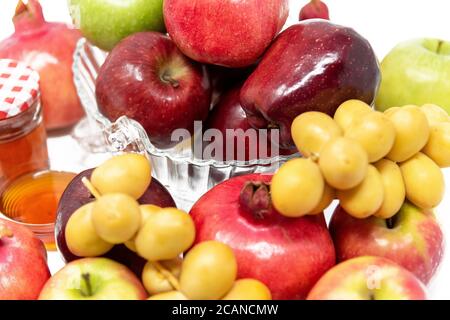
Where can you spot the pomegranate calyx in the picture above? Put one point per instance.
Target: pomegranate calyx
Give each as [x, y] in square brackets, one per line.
[317, 6]
[255, 198]
[28, 16]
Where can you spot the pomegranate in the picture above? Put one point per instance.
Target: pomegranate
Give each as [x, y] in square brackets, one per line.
[48, 48]
[23, 263]
[288, 255]
[315, 9]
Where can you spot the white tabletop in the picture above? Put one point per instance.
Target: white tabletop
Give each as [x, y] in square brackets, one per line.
[383, 22]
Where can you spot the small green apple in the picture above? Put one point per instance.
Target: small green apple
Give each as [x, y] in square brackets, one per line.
[106, 22]
[416, 72]
[93, 279]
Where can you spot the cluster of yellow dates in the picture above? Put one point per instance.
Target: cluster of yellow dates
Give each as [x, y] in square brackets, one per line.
[370, 161]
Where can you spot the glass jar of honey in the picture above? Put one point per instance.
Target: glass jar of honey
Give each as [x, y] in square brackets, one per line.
[23, 146]
[29, 193]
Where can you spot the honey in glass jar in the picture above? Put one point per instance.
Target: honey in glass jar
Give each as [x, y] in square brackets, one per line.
[23, 146]
[28, 192]
[33, 198]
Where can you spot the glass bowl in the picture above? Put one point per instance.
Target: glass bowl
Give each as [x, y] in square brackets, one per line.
[185, 176]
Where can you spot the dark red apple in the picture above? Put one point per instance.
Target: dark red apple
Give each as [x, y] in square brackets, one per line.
[224, 79]
[76, 195]
[147, 78]
[315, 9]
[288, 255]
[412, 239]
[23, 263]
[312, 66]
[224, 32]
[227, 117]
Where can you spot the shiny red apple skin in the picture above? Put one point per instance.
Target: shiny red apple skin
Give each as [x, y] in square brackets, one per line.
[416, 241]
[230, 33]
[76, 195]
[147, 78]
[228, 114]
[224, 79]
[288, 255]
[311, 66]
[23, 263]
[48, 48]
[368, 278]
[315, 9]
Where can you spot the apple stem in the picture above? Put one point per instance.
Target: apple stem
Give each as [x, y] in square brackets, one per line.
[87, 282]
[91, 188]
[5, 232]
[166, 77]
[255, 198]
[390, 222]
[166, 273]
[439, 47]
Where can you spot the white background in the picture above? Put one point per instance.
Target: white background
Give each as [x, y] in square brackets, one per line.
[383, 22]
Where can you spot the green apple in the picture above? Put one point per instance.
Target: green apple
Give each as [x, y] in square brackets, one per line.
[93, 279]
[106, 22]
[416, 72]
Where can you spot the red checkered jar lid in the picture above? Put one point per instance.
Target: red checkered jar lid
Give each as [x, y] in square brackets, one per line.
[19, 88]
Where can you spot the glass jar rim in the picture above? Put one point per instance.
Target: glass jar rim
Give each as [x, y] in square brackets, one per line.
[35, 105]
[28, 225]
[16, 126]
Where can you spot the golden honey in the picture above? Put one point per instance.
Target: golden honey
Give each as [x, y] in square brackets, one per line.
[23, 146]
[34, 198]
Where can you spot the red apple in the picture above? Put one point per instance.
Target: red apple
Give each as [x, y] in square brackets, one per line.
[312, 66]
[228, 115]
[147, 78]
[93, 279]
[224, 79]
[368, 278]
[315, 9]
[76, 195]
[412, 238]
[288, 255]
[23, 263]
[224, 32]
